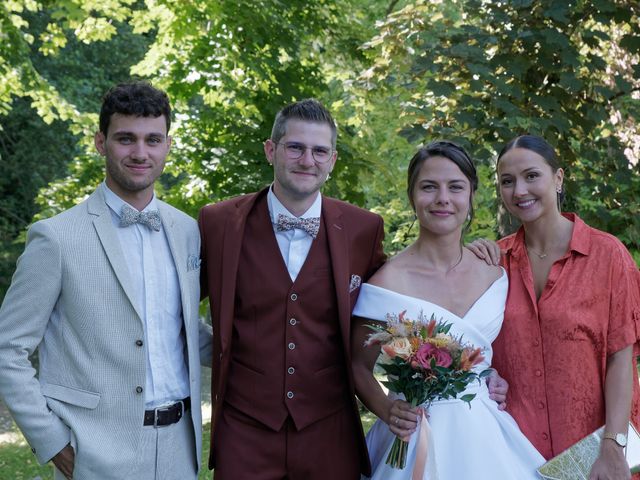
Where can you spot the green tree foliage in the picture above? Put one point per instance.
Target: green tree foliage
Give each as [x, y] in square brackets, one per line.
[395, 73]
[37, 144]
[482, 72]
[228, 67]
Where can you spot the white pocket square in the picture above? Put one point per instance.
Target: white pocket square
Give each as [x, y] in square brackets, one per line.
[193, 262]
[355, 282]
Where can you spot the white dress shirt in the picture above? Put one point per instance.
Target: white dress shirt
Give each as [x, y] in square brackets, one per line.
[157, 291]
[294, 244]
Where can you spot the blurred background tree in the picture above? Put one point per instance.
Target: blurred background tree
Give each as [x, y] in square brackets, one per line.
[482, 72]
[396, 74]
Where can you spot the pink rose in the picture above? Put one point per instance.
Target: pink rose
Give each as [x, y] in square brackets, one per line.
[427, 351]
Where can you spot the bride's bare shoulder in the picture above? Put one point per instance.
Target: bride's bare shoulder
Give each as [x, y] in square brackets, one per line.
[489, 273]
[391, 274]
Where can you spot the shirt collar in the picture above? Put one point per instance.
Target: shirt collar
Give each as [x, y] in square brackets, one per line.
[115, 203]
[276, 207]
[580, 238]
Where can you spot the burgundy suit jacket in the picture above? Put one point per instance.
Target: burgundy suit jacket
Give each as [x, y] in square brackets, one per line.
[355, 244]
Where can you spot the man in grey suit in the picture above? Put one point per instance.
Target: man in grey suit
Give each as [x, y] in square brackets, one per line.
[108, 292]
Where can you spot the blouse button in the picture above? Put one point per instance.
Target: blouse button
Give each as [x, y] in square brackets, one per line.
[536, 342]
[545, 436]
[538, 373]
[541, 405]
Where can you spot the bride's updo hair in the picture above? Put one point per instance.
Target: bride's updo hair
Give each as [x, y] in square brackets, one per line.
[455, 153]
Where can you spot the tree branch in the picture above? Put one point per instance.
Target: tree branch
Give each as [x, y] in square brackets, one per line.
[391, 6]
[623, 93]
[14, 216]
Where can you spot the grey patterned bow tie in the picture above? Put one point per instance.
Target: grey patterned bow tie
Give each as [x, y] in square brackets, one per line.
[129, 216]
[310, 225]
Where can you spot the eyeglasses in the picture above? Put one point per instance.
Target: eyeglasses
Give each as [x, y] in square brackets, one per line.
[295, 150]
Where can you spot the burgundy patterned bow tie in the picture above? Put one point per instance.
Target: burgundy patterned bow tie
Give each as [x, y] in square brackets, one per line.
[129, 216]
[310, 225]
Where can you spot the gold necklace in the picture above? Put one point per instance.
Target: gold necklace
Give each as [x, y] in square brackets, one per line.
[539, 255]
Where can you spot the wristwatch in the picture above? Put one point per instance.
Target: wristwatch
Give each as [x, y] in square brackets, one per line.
[619, 438]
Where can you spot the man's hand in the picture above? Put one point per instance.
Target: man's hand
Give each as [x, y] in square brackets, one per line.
[498, 388]
[64, 461]
[487, 250]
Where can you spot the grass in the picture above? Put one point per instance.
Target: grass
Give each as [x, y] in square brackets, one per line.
[18, 463]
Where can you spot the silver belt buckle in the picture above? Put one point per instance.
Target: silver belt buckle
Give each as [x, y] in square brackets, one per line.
[166, 409]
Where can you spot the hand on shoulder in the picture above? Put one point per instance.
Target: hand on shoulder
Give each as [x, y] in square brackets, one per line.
[481, 269]
[486, 250]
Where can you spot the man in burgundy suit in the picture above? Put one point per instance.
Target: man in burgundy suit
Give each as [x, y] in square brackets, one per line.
[282, 268]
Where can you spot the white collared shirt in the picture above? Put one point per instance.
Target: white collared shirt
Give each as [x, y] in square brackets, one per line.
[294, 244]
[157, 293]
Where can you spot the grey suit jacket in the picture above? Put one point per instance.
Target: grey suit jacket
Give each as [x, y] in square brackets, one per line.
[71, 298]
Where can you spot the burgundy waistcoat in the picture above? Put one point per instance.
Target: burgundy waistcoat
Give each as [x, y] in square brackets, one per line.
[286, 349]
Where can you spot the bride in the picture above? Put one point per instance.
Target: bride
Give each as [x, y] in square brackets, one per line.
[435, 275]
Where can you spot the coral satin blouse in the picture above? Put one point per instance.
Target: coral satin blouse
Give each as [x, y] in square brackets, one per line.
[553, 351]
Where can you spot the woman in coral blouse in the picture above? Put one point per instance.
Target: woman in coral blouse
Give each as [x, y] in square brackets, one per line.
[567, 341]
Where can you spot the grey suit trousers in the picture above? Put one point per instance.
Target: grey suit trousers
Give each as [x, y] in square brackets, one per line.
[164, 453]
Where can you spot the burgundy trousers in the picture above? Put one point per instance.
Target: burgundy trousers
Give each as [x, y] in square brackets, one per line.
[246, 449]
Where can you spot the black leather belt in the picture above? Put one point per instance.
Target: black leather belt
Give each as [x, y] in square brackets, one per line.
[161, 416]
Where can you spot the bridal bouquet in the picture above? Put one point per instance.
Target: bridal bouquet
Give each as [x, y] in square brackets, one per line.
[424, 362]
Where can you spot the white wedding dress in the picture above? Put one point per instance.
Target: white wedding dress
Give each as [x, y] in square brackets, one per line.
[479, 443]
